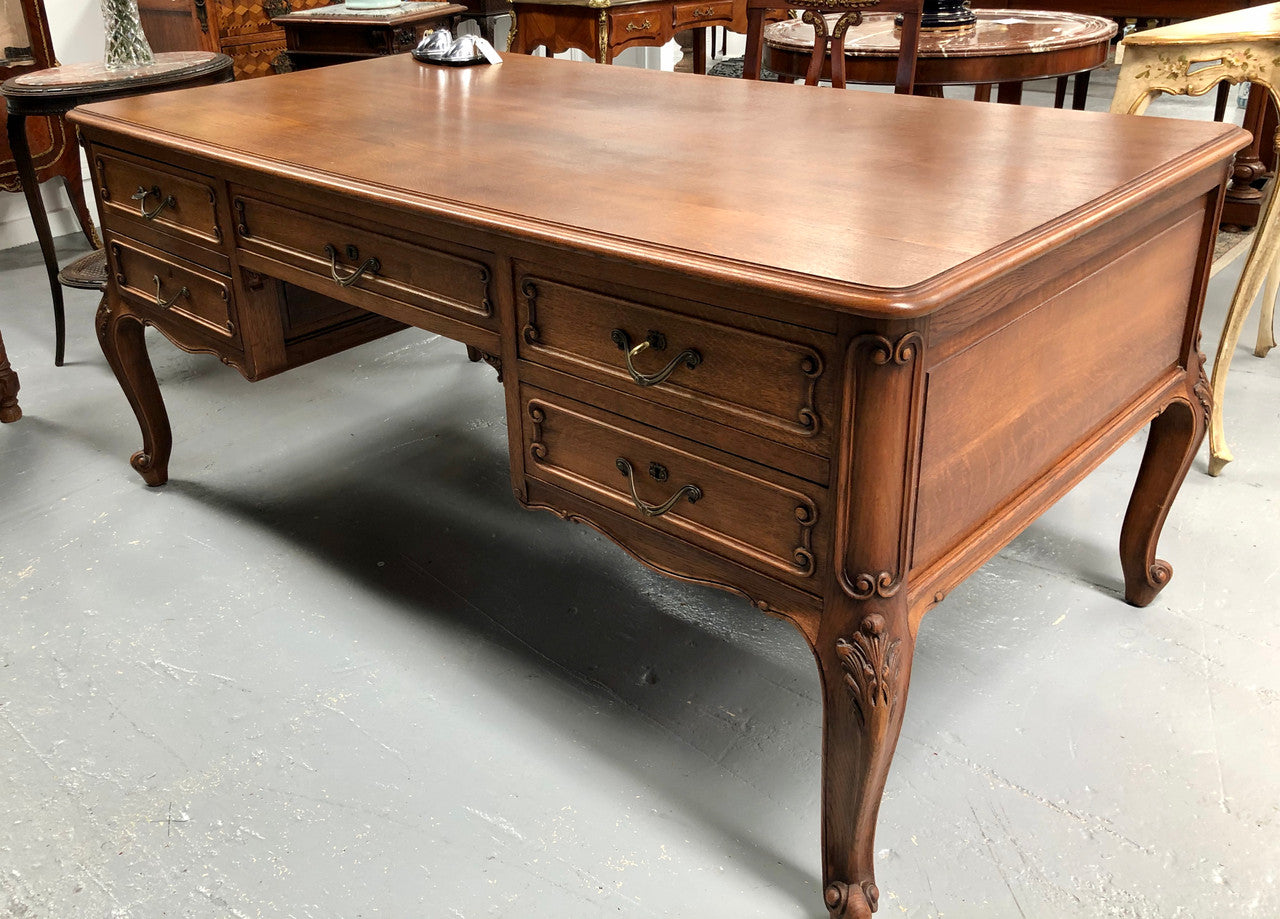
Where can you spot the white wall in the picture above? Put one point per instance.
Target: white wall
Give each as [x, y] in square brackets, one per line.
[76, 26]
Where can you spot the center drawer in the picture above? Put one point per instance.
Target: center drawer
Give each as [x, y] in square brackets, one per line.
[744, 512]
[768, 378]
[432, 275]
[699, 12]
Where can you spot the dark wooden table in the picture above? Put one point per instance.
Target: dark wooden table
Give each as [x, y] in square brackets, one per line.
[1005, 48]
[314, 38]
[604, 28]
[837, 398]
[56, 91]
[9, 409]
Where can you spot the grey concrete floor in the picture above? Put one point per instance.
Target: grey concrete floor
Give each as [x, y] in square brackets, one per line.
[333, 670]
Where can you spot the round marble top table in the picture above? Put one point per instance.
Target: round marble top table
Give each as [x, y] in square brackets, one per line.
[1004, 47]
[57, 90]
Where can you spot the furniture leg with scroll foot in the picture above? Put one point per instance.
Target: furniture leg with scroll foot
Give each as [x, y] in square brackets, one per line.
[121, 335]
[865, 672]
[1267, 316]
[9, 409]
[1175, 437]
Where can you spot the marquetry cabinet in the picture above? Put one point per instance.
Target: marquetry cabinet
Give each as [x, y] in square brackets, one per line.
[241, 29]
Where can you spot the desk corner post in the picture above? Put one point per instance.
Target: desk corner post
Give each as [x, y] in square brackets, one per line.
[865, 639]
[120, 333]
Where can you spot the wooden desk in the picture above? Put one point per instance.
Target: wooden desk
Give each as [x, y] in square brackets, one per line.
[604, 28]
[1005, 47]
[316, 37]
[836, 398]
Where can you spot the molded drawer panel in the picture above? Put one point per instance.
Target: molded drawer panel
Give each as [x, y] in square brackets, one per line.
[167, 200]
[173, 287]
[748, 513]
[443, 279]
[627, 26]
[772, 381]
[693, 12]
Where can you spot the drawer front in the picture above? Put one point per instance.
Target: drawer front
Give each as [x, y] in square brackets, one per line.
[749, 514]
[625, 27]
[694, 12]
[772, 381]
[181, 204]
[172, 287]
[423, 276]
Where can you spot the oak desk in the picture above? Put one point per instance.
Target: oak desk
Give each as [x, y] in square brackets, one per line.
[836, 395]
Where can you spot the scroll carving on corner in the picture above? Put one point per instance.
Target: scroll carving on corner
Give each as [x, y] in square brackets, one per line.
[807, 515]
[870, 661]
[884, 585]
[900, 352]
[1201, 388]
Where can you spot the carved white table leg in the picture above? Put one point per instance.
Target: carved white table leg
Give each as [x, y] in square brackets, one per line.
[1175, 61]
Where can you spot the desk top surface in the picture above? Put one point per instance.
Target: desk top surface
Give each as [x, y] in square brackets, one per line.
[851, 197]
[1255, 23]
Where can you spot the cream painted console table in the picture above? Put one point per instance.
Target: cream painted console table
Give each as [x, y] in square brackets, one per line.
[836, 398]
[1191, 58]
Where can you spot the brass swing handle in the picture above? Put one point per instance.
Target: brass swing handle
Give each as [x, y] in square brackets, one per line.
[639, 26]
[370, 265]
[692, 492]
[704, 12]
[141, 196]
[658, 342]
[163, 303]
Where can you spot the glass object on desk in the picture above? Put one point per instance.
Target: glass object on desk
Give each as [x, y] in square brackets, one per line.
[127, 46]
[15, 40]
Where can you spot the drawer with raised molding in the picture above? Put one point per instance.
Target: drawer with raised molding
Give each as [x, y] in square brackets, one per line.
[433, 275]
[695, 12]
[166, 200]
[747, 513]
[770, 379]
[172, 287]
[623, 27]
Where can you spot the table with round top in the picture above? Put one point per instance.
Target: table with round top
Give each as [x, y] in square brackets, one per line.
[57, 90]
[1004, 47]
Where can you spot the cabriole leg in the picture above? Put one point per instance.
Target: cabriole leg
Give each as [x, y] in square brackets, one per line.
[121, 336]
[1176, 435]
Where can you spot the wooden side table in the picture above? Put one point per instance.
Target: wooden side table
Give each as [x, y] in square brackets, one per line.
[57, 90]
[9, 410]
[1191, 58]
[603, 28]
[1005, 47]
[335, 35]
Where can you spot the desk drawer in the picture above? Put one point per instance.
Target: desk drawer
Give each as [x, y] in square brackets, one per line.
[698, 13]
[169, 201]
[625, 27]
[750, 514]
[768, 379]
[439, 278]
[170, 286]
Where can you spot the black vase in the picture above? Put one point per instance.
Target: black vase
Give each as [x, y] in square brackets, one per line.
[947, 14]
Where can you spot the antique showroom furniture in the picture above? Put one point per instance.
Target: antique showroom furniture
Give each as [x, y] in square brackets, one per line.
[1191, 58]
[244, 29]
[826, 35]
[240, 29]
[1006, 47]
[25, 46]
[837, 398]
[9, 408]
[336, 35]
[48, 93]
[604, 28]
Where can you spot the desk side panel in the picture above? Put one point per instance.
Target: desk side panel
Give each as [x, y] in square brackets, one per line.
[1007, 409]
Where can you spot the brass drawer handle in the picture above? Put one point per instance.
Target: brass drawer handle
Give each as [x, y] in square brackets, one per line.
[702, 12]
[639, 27]
[141, 196]
[692, 492]
[370, 265]
[163, 303]
[658, 342]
